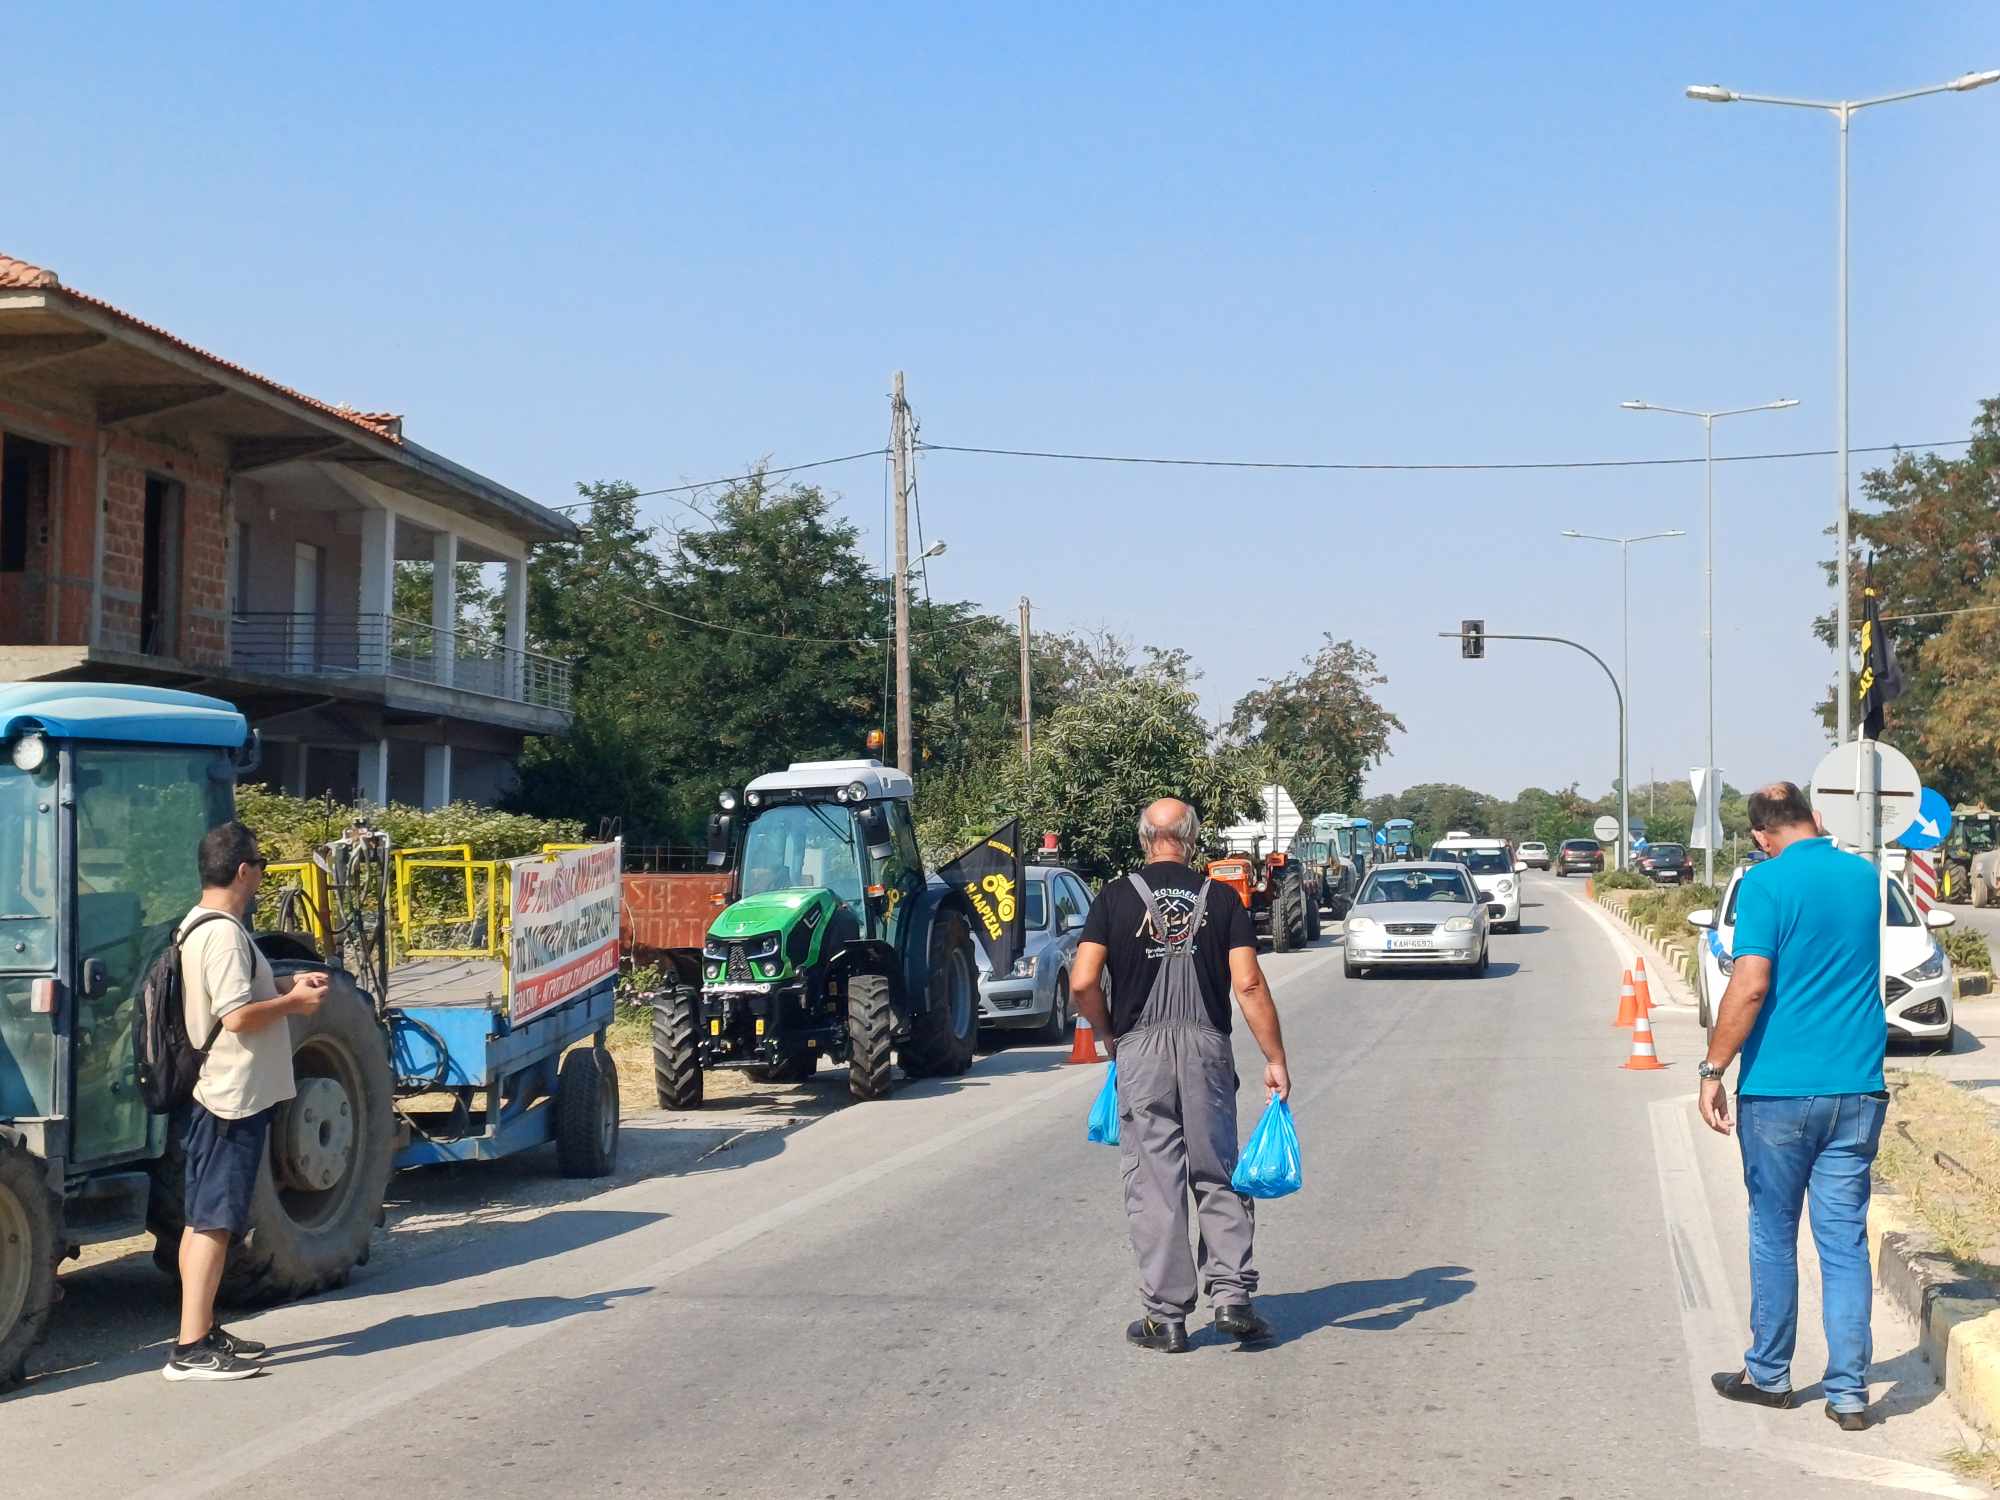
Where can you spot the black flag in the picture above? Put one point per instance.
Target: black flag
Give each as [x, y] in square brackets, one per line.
[989, 876]
[1881, 682]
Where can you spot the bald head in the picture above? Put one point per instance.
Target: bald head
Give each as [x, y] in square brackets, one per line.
[1780, 807]
[1169, 829]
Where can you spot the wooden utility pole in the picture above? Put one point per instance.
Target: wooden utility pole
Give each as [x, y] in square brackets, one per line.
[899, 445]
[1027, 694]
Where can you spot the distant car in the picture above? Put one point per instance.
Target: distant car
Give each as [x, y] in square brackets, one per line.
[1533, 855]
[1034, 995]
[1580, 857]
[1492, 870]
[1666, 864]
[1425, 915]
[1917, 982]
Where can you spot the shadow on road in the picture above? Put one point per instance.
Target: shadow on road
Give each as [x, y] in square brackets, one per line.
[1369, 1306]
[421, 1328]
[1529, 927]
[1913, 1386]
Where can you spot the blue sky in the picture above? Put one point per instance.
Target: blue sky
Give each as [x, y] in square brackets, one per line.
[655, 243]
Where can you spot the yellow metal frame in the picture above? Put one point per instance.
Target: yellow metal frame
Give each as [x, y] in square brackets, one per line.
[455, 857]
[312, 879]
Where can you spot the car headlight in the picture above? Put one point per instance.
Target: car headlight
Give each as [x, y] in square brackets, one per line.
[1362, 924]
[1505, 888]
[1458, 924]
[1024, 967]
[1930, 968]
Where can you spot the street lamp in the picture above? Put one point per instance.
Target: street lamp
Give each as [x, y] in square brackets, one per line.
[1708, 579]
[1843, 110]
[1624, 544]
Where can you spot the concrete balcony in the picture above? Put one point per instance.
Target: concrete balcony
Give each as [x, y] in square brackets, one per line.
[332, 647]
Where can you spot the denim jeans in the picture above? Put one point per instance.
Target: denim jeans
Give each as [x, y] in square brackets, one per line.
[1819, 1148]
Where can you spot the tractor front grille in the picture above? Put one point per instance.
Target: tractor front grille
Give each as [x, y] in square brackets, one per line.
[739, 966]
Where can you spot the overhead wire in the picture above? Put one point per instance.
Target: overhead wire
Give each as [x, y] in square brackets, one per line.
[709, 484]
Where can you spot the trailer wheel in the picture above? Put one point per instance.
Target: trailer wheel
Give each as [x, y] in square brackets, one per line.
[871, 1021]
[29, 1214]
[943, 1038]
[587, 1113]
[326, 1170]
[676, 1065]
[1982, 893]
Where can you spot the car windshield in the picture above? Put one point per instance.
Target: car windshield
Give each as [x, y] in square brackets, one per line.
[1038, 905]
[1485, 861]
[1386, 886]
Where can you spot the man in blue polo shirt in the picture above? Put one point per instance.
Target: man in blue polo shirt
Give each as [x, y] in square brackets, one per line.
[1804, 1006]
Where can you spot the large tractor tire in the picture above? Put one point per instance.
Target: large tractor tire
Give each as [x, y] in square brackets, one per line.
[1312, 919]
[29, 1215]
[587, 1113]
[676, 1064]
[943, 1038]
[1281, 926]
[871, 1025]
[319, 1192]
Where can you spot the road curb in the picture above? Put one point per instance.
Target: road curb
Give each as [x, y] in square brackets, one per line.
[1957, 1318]
[1667, 962]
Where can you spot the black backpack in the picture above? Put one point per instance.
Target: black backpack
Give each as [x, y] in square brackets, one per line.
[169, 1064]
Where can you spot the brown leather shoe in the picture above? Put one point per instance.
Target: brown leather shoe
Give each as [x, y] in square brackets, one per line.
[1848, 1421]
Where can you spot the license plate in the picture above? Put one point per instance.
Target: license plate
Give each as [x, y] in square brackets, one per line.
[1396, 943]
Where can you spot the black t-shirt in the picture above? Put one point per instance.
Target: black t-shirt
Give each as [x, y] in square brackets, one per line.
[1119, 920]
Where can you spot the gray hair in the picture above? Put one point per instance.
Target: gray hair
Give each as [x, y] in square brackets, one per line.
[1184, 830]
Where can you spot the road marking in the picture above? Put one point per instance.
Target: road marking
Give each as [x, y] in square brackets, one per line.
[399, 1393]
[1622, 942]
[1712, 1330]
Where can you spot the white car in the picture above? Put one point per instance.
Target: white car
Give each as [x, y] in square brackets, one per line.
[1532, 855]
[1917, 982]
[1492, 869]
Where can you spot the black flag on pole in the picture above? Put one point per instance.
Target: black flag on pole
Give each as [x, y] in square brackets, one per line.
[1881, 681]
[989, 876]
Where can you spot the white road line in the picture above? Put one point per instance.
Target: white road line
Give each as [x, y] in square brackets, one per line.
[399, 1392]
[1713, 1331]
[1621, 943]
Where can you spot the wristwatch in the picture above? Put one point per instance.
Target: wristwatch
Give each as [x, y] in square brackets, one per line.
[1705, 1070]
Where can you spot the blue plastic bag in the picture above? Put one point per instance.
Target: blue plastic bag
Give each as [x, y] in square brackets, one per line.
[1269, 1165]
[1104, 1113]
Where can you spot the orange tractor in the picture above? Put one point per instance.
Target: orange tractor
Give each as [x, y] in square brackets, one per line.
[1273, 887]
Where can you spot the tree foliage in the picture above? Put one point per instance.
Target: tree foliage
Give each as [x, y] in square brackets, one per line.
[1319, 730]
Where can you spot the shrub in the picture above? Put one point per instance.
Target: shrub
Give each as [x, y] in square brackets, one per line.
[1623, 880]
[1667, 909]
[1967, 950]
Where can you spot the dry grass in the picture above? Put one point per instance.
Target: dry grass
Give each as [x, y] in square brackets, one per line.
[1982, 1466]
[1941, 1151]
[631, 1046]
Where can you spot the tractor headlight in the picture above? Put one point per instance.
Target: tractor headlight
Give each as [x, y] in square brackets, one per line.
[727, 801]
[715, 971]
[758, 948]
[755, 799]
[716, 952]
[1930, 968]
[30, 750]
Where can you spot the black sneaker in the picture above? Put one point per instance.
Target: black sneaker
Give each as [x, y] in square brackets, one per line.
[230, 1343]
[1157, 1333]
[1239, 1321]
[1735, 1385]
[208, 1362]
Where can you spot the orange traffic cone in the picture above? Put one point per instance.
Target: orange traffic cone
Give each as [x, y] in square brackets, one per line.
[1643, 1059]
[1084, 1048]
[1590, 888]
[1640, 989]
[1628, 1002]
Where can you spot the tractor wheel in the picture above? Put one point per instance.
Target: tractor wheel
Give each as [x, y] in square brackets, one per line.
[29, 1214]
[319, 1192]
[871, 1020]
[1982, 893]
[1312, 919]
[587, 1113]
[942, 1039]
[1281, 925]
[676, 1065]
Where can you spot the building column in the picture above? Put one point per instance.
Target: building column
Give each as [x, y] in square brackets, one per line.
[444, 608]
[298, 768]
[437, 776]
[378, 590]
[517, 628]
[375, 774]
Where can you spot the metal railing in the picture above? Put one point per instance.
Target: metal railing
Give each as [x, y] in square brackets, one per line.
[374, 645]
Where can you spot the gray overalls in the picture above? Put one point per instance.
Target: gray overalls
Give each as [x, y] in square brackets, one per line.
[1177, 1133]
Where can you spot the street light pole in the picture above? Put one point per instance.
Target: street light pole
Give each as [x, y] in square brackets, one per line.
[1843, 111]
[1625, 692]
[1708, 583]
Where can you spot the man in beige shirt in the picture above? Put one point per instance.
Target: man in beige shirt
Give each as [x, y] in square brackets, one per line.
[237, 1013]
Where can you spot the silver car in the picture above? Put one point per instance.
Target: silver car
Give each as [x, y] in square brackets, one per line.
[1035, 995]
[1425, 915]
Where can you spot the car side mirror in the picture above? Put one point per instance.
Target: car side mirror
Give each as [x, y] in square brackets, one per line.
[1938, 917]
[721, 828]
[1702, 917]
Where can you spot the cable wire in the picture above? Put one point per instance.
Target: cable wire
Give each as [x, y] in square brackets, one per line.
[706, 484]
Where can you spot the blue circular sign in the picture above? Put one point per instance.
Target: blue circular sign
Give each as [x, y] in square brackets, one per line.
[1931, 825]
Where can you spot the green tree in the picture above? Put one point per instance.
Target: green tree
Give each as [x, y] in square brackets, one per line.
[1321, 728]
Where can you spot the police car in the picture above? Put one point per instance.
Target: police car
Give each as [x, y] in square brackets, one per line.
[1917, 982]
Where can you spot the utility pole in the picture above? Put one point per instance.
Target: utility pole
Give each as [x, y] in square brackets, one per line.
[899, 445]
[1027, 694]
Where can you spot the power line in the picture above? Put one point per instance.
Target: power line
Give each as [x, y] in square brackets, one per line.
[1446, 468]
[1938, 614]
[706, 484]
[974, 622]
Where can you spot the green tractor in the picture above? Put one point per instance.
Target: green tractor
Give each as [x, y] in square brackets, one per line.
[837, 944]
[1969, 862]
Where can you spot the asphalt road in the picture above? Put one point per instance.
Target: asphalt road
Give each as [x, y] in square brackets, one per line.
[1511, 1269]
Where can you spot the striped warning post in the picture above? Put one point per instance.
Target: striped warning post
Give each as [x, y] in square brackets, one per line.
[1923, 880]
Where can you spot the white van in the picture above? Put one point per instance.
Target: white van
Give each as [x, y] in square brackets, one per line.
[1491, 865]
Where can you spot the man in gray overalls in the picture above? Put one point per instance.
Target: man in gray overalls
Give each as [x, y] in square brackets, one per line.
[1176, 944]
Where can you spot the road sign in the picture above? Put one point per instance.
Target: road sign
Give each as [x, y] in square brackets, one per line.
[1930, 826]
[1836, 795]
[1707, 831]
[1606, 829]
[1381, 837]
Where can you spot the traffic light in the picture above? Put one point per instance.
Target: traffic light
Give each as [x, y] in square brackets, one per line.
[1472, 639]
